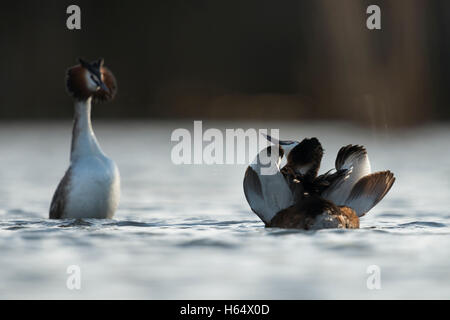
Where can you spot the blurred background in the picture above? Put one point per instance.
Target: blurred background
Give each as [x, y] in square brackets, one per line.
[309, 68]
[296, 60]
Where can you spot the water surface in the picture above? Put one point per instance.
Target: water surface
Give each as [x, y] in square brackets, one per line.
[186, 232]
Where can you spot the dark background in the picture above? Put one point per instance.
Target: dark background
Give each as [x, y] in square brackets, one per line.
[253, 59]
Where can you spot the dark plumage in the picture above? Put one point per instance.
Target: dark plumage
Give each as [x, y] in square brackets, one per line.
[335, 199]
[60, 197]
[306, 157]
[76, 81]
[309, 152]
[322, 182]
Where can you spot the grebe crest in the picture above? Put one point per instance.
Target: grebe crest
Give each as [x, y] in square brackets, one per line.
[91, 186]
[91, 80]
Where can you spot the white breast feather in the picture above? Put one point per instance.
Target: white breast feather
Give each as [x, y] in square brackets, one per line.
[94, 189]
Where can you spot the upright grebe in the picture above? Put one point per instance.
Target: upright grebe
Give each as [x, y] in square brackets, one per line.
[331, 200]
[91, 186]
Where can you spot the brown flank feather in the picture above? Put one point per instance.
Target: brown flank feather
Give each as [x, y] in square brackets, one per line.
[348, 218]
[76, 83]
[303, 214]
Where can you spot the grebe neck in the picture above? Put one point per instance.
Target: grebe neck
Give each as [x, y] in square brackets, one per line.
[84, 141]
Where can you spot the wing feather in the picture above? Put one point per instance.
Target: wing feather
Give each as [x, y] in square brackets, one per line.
[59, 198]
[355, 161]
[267, 194]
[369, 190]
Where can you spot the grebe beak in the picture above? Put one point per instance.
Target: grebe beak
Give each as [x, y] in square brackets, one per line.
[286, 145]
[279, 142]
[104, 87]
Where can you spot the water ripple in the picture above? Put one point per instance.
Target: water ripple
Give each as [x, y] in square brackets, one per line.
[422, 224]
[208, 243]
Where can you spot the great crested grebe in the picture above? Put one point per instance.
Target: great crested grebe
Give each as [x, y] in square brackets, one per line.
[91, 186]
[296, 197]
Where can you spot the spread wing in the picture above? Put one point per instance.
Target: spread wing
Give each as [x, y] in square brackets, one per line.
[369, 190]
[358, 188]
[353, 163]
[267, 194]
[59, 198]
[330, 178]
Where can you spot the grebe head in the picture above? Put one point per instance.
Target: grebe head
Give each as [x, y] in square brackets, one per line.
[91, 79]
[306, 156]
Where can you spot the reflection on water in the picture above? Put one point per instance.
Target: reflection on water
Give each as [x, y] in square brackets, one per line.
[187, 232]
